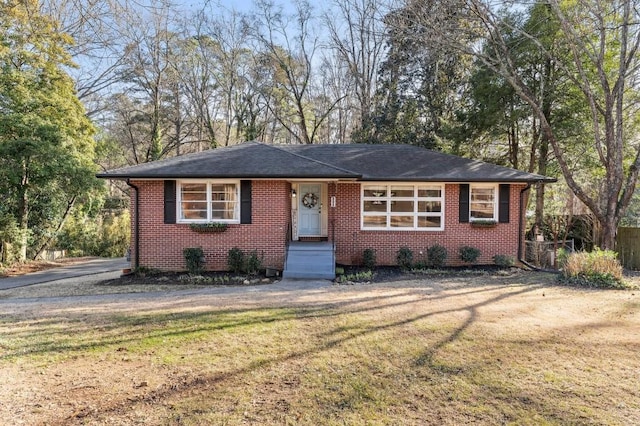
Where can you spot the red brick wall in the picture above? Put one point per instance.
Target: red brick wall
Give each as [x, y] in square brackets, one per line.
[161, 244]
[351, 241]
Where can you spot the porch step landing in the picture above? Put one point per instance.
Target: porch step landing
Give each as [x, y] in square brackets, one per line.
[310, 260]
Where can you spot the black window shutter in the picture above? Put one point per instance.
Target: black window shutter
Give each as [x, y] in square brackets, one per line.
[169, 201]
[463, 203]
[245, 201]
[503, 200]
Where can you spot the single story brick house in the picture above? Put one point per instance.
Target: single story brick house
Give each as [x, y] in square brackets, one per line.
[351, 196]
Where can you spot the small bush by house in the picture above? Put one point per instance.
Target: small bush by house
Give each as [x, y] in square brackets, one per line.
[249, 263]
[235, 260]
[437, 256]
[252, 263]
[194, 259]
[404, 258]
[504, 261]
[469, 254]
[369, 258]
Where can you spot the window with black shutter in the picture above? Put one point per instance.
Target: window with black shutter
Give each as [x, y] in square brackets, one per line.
[245, 201]
[504, 200]
[169, 201]
[463, 203]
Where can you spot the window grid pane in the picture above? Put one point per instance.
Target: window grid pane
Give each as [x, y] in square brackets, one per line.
[482, 203]
[194, 201]
[202, 201]
[402, 207]
[375, 206]
[429, 192]
[429, 206]
[375, 221]
[402, 222]
[376, 191]
[402, 191]
[223, 201]
[429, 221]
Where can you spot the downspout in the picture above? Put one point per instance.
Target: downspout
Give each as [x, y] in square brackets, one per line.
[521, 233]
[521, 219]
[136, 240]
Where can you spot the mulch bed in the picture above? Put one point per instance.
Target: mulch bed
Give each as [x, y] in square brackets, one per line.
[352, 274]
[358, 274]
[204, 278]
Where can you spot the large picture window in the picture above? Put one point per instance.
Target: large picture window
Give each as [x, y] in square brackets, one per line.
[402, 207]
[208, 201]
[482, 202]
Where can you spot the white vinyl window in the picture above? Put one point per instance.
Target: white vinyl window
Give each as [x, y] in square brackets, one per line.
[208, 201]
[402, 207]
[483, 203]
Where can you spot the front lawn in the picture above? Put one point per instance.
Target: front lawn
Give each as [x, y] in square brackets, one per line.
[453, 350]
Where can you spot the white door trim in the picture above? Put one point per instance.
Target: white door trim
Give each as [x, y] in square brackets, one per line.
[296, 209]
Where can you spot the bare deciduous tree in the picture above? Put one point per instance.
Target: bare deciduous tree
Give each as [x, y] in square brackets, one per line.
[357, 33]
[288, 50]
[603, 40]
[148, 76]
[98, 48]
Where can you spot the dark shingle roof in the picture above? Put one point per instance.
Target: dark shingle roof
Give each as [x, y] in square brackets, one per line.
[410, 163]
[340, 161]
[247, 160]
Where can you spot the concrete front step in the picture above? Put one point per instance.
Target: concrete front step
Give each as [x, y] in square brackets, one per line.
[304, 246]
[307, 275]
[311, 254]
[310, 260]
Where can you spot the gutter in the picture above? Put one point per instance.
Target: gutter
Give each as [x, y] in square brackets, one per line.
[136, 241]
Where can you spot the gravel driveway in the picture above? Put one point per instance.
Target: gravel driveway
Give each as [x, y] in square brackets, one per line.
[89, 293]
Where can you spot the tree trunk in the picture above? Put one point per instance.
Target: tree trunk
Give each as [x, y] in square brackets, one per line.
[514, 142]
[23, 225]
[608, 232]
[44, 246]
[543, 153]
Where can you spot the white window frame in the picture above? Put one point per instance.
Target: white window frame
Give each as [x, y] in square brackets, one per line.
[415, 199]
[209, 219]
[495, 201]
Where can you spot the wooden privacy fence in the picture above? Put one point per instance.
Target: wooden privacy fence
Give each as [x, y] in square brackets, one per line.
[629, 247]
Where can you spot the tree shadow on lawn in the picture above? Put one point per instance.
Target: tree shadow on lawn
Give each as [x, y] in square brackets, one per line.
[58, 333]
[232, 319]
[275, 315]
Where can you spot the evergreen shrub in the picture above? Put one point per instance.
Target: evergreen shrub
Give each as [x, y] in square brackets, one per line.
[469, 254]
[437, 256]
[404, 258]
[194, 259]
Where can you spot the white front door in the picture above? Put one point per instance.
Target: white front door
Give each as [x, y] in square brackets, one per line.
[310, 210]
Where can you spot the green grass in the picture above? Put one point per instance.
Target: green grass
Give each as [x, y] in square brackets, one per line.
[493, 354]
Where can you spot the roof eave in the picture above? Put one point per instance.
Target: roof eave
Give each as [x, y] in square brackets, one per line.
[459, 180]
[227, 176]
[323, 176]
